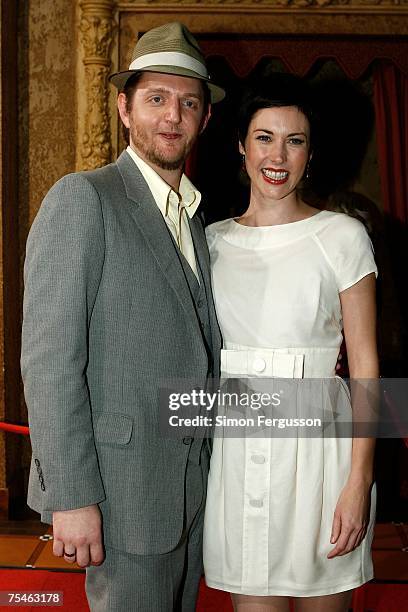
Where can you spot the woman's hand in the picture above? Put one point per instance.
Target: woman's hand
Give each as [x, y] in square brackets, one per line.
[350, 517]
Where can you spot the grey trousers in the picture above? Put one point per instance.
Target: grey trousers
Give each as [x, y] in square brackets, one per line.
[156, 583]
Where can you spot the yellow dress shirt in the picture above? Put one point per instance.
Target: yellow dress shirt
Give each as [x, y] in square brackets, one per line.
[173, 206]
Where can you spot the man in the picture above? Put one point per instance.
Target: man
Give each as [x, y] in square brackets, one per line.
[117, 299]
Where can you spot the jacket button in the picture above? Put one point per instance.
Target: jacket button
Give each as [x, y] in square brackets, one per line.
[37, 463]
[187, 440]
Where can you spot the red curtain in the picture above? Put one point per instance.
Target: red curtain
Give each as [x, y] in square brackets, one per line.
[391, 111]
[300, 53]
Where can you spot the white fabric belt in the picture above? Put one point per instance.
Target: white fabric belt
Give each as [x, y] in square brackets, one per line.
[279, 363]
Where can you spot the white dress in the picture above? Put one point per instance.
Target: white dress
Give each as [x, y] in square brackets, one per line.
[271, 500]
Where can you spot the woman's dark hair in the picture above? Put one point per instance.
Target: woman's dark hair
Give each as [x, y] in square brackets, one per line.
[272, 90]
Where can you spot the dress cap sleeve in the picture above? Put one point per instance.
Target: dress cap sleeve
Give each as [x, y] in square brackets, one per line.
[349, 249]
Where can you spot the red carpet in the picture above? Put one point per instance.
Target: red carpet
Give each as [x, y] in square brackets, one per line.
[372, 598]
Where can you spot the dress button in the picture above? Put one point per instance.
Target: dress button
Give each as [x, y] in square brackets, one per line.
[187, 440]
[258, 459]
[259, 364]
[256, 503]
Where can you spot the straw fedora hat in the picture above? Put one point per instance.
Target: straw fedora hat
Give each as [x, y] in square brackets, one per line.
[170, 49]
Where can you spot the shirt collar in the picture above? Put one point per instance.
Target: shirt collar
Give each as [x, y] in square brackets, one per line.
[162, 193]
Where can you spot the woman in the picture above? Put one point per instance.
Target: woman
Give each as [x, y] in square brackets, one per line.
[290, 517]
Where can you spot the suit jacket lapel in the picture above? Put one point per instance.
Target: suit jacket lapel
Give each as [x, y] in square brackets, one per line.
[150, 221]
[203, 260]
[200, 246]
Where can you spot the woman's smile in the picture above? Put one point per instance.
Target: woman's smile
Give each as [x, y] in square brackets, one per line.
[275, 177]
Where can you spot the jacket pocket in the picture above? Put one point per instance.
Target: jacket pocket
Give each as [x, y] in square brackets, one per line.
[112, 428]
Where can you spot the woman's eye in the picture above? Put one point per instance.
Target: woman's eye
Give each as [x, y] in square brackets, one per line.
[263, 138]
[156, 99]
[296, 141]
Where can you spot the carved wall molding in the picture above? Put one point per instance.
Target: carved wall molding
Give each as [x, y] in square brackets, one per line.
[96, 26]
[391, 6]
[354, 17]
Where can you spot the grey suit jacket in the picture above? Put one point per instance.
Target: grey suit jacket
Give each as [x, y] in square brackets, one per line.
[107, 315]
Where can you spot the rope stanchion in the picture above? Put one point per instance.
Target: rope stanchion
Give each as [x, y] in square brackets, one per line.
[18, 429]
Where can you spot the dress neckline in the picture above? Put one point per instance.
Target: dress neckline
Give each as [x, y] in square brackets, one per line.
[270, 236]
[291, 223]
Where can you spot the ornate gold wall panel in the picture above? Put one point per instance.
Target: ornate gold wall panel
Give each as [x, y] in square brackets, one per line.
[96, 27]
[49, 49]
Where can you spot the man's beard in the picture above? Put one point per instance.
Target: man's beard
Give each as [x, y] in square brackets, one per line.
[153, 154]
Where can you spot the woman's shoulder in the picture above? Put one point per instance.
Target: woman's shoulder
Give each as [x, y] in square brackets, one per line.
[218, 226]
[339, 226]
[345, 241]
[347, 247]
[217, 229]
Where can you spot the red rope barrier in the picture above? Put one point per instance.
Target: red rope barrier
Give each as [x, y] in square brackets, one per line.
[19, 429]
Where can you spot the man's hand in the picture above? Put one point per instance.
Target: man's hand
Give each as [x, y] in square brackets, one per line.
[78, 536]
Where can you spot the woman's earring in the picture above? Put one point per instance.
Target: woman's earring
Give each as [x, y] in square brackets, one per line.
[243, 165]
[308, 170]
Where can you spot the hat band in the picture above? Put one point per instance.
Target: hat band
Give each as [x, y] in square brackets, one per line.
[169, 58]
